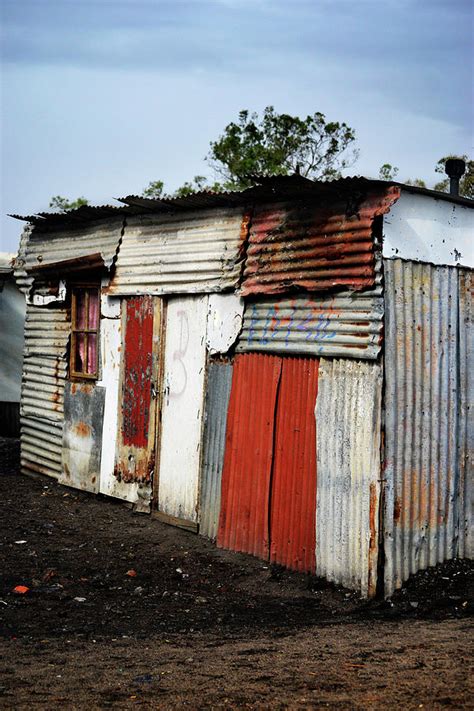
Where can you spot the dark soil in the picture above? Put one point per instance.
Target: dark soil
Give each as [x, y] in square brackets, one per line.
[199, 627]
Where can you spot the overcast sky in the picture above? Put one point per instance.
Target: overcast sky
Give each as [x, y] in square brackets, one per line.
[101, 96]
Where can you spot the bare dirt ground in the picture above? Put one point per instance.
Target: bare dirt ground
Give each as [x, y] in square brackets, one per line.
[201, 628]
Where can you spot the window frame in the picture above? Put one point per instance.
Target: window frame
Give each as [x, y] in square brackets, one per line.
[85, 288]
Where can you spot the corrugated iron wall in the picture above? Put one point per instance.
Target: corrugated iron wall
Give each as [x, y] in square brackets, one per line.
[314, 247]
[243, 522]
[466, 417]
[42, 400]
[219, 381]
[293, 480]
[345, 324]
[348, 417]
[197, 252]
[428, 370]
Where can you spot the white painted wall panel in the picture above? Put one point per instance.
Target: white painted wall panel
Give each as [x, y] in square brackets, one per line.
[224, 321]
[424, 229]
[183, 403]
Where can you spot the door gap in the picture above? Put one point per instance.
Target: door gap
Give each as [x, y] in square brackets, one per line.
[272, 463]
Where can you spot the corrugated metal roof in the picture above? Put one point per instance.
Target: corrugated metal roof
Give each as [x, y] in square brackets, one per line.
[219, 381]
[196, 253]
[48, 249]
[428, 367]
[243, 522]
[348, 417]
[266, 189]
[293, 480]
[315, 246]
[345, 324]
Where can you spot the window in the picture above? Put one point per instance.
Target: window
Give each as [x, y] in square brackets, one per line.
[85, 332]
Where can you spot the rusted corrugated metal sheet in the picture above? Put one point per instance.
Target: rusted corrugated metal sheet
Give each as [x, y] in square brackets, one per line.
[243, 522]
[47, 249]
[82, 436]
[428, 369]
[141, 326]
[219, 381]
[293, 481]
[348, 417]
[345, 324]
[198, 252]
[42, 395]
[315, 247]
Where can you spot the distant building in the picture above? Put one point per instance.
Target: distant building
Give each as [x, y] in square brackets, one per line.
[287, 370]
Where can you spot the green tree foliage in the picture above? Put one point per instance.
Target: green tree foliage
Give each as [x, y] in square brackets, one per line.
[466, 184]
[64, 205]
[387, 171]
[154, 189]
[280, 144]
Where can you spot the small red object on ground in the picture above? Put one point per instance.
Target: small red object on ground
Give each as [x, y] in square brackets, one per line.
[21, 589]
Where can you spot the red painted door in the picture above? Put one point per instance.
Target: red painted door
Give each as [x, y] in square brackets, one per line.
[141, 328]
[293, 486]
[243, 523]
[268, 502]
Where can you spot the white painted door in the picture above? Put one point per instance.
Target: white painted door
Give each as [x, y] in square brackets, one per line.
[182, 408]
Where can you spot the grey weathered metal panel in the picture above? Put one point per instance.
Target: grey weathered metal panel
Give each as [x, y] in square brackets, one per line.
[42, 393]
[345, 324]
[466, 419]
[348, 435]
[217, 402]
[428, 366]
[41, 442]
[198, 252]
[40, 249]
[82, 435]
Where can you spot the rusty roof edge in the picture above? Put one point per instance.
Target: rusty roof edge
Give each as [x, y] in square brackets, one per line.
[266, 188]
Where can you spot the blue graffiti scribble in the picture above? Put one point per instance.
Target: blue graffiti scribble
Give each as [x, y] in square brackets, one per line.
[253, 321]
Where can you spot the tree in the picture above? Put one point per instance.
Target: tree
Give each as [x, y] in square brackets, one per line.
[64, 205]
[154, 189]
[280, 144]
[387, 171]
[466, 184]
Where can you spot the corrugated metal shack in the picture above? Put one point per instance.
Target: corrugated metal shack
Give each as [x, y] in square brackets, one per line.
[287, 370]
[12, 317]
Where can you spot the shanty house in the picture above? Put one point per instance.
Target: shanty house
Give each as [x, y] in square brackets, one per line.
[287, 370]
[12, 318]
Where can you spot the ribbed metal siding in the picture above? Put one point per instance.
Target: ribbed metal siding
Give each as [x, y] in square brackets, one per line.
[466, 417]
[314, 247]
[293, 483]
[348, 417]
[344, 324]
[428, 366]
[194, 253]
[42, 396]
[43, 248]
[217, 402]
[243, 521]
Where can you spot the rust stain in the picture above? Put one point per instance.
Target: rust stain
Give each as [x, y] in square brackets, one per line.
[314, 247]
[372, 510]
[373, 548]
[82, 429]
[396, 510]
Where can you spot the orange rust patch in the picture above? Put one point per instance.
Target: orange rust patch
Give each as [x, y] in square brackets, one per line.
[397, 510]
[372, 510]
[82, 429]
